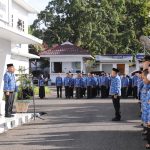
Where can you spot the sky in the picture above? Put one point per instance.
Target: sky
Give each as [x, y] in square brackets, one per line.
[37, 4]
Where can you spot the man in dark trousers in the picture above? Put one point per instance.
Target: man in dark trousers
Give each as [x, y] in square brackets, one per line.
[124, 86]
[89, 86]
[9, 89]
[115, 92]
[71, 85]
[41, 87]
[67, 85]
[59, 84]
[135, 85]
[78, 86]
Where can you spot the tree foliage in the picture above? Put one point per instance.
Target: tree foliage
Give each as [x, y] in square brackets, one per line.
[102, 26]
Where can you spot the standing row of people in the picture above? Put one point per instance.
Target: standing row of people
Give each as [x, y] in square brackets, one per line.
[143, 93]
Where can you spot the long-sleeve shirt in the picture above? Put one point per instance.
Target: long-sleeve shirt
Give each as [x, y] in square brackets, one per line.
[9, 82]
[144, 101]
[41, 82]
[67, 81]
[89, 81]
[104, 81]
[124, 82]
[72, 80]
[135, 80]
[59, 81]
[115, 86]
[78, 82]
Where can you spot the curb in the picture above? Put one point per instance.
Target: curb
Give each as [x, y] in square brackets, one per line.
[18, 119]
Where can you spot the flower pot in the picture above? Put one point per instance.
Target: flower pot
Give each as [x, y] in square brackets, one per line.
[22, 105]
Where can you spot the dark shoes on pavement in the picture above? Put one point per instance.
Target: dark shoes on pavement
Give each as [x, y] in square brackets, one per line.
[116, 119]
[9, 116]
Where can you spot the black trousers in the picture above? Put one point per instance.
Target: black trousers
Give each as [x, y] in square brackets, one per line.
[148, 135]
[78, 92]
[97, 91]
[135, 92]
[93, 92]
[71, 91]
[83, 91]
[42, 92]
[89, 92]
[9, 103]
[124, 92]
[59, 91]
[67, 92]
[116, 103]
[103, 91]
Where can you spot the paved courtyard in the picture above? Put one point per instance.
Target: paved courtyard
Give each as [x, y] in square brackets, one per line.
[78, 125]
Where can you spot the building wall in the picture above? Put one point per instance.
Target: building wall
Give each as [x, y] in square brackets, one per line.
[19, 13]
[18, 62]
[5, 58]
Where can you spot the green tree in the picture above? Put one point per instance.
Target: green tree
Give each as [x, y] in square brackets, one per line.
[102, 26]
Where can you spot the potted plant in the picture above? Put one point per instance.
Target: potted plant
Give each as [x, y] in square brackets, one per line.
[25, 91]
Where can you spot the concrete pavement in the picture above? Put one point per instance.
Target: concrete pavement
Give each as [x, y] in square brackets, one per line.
[78, 125]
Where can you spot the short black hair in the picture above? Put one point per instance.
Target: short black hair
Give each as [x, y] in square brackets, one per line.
[115, 69]
[9, 65]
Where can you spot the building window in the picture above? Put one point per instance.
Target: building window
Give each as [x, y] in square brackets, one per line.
[57, 67]
[18, 45]
[12, 20]
[76, 67]
[20, 24]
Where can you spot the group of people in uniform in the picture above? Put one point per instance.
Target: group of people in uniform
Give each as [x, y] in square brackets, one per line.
[91, 85]
[142, 89]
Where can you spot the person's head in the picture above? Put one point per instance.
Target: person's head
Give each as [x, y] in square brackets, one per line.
[67, 74]
[59, 74]
[89, 74]
[71, 75]
[146, 62]
[10, 68]
[114, 72]
[144, 76]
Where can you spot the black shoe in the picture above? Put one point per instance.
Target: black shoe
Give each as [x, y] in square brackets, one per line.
[9, 116]
[116, 119]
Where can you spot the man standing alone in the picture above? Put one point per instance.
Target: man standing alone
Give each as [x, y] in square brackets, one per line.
[59, 84]
[115, 91]
[9, 89]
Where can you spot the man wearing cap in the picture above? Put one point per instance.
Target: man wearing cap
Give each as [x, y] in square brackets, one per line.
[9, 89]
[115, 92]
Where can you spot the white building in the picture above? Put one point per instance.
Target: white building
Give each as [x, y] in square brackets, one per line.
[66, 57]
[14, 37]
[124, 62]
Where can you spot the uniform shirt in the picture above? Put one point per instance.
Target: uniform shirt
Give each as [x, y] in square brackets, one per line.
[140, 85]
[59, 81]
[144, 101]
[72, 80]
[148, 106]
[99, 81]
[135, 80]
[124, 82]
[115, 86]
[94, 81]
[78, 82]
[67, 81]
[104, 81]
[41, 82]
[84, 81]
[9, 82]
[89, 81]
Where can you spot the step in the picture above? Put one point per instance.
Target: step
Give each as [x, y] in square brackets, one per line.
[18, 119]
